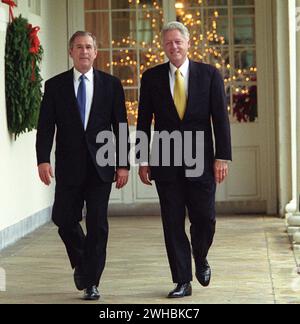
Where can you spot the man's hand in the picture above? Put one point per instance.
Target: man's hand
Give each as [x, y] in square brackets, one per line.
[121, 178]
[145, 175]
[221, 171]
[45, 173]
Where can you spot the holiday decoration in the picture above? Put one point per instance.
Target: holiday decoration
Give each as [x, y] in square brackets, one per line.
[11, 5]
[245, 105]
[213, 40]
[23, 82]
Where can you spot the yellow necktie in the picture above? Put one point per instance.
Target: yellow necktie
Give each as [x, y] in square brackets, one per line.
[179, 94]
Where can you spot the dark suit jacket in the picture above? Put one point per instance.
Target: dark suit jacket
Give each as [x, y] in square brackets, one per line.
[206, 106]
[59, 110]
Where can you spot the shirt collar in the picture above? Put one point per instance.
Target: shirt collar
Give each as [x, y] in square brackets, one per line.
[89, 75]
[183, 69]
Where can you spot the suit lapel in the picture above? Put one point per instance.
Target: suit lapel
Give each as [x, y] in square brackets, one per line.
[193, 88]
[98, 96]
[69, 94]
[166, 89]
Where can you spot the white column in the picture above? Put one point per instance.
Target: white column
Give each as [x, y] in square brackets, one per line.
[295, 218]
[281, 24]
[292, 209]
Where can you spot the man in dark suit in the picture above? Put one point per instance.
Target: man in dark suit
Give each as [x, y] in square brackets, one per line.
[80, 104]
[185, 96]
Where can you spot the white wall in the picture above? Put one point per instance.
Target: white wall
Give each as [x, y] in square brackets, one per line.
[21, 193]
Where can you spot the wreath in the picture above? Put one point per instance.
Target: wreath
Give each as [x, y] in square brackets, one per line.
[23, 82]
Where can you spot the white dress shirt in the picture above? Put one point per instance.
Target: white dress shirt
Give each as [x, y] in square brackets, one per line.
[89, 82]
[184, 70]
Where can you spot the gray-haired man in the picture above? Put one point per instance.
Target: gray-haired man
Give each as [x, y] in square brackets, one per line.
[183, 95]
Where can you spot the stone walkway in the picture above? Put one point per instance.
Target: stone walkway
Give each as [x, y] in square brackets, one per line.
[251, 259]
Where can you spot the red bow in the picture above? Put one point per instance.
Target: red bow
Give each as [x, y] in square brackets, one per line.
[34, 46]
[11, 4]
[34, 40]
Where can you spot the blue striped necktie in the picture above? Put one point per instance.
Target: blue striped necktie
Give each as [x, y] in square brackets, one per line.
[81, 98]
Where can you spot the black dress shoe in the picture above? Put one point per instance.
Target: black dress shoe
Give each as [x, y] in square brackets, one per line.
[91, 293]
[79, 278]
[181, 290]
[203, 273]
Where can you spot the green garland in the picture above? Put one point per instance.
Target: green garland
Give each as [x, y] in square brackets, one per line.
[23, 82]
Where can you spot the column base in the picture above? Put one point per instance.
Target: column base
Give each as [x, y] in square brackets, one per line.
[293, 223]
[296, 238]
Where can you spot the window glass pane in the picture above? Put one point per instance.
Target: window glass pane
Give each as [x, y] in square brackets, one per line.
[98, 22]
[125, 67]
[219, 57]
[244, 25]
[150, 59]
[103, 61]
[244, 58]
[96, 4]
[244, 32]
[123, 29]
[216, 23]
[123, 4]
[149, 27]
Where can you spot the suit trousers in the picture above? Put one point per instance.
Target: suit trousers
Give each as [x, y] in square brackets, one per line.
[198, 197]
[85, 250]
